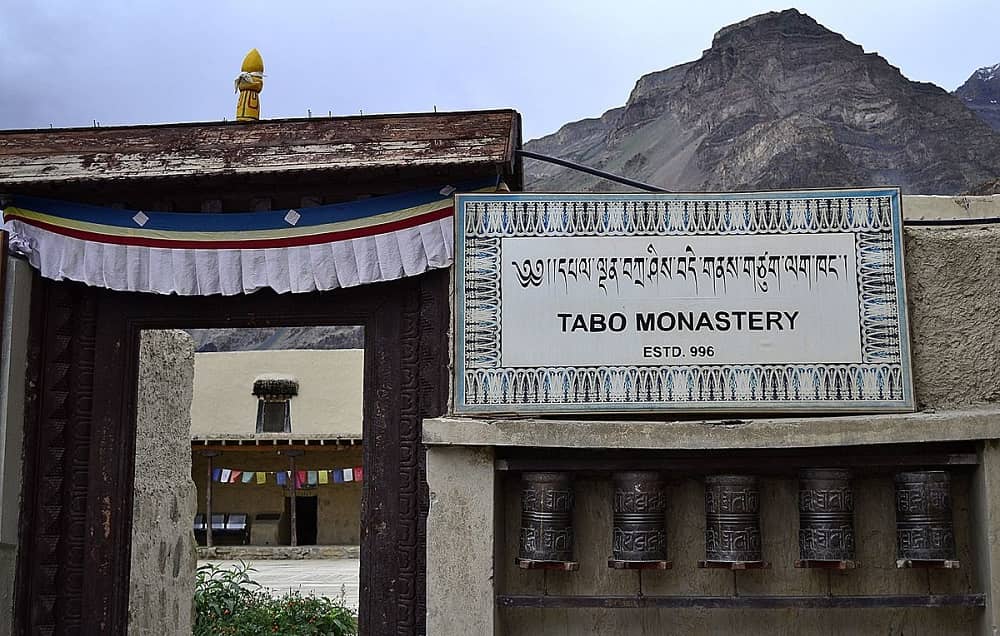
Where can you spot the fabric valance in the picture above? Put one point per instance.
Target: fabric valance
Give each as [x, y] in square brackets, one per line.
[198, 254]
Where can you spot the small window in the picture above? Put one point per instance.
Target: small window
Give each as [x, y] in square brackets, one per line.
[273, 416]
[273, 412]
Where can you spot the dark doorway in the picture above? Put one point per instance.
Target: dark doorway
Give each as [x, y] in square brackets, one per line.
[305, 519]
[76, 521]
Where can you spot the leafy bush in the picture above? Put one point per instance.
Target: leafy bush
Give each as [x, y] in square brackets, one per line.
[228, 602]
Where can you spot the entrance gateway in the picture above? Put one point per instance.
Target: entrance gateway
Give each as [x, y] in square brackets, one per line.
[647, 305]
[75, 519]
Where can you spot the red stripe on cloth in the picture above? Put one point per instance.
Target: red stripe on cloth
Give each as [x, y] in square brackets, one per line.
[246, 244]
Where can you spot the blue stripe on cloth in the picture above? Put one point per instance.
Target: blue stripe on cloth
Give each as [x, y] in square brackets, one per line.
[242, 221]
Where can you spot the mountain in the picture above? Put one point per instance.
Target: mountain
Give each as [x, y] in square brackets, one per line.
[981, 93]
[778, 101]
[206, 340]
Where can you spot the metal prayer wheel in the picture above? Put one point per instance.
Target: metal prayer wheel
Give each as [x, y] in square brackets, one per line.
[639, 531]
[826, 515]
[732, 519]
[546, 518]
[924, 530]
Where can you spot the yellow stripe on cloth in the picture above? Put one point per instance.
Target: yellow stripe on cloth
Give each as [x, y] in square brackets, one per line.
[248, 235]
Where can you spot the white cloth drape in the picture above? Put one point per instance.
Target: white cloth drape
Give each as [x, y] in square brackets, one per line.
[205, 272]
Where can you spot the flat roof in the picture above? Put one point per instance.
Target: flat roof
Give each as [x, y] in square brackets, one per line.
[268, 440]
[273, 146]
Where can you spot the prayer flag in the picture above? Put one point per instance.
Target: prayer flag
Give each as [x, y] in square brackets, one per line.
[238, 253]
[235, 477]
[324, 476]
[312, 477]
[338, 476]
[300, 478]
[358, 473]
[348, 474]
[217, 474]
[281, 477]
[261, 478]
[247, 476]
[226, 473]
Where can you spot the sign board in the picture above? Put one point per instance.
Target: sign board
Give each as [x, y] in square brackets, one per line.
[780, 301]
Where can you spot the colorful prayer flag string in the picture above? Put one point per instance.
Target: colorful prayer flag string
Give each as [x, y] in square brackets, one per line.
[303, 478]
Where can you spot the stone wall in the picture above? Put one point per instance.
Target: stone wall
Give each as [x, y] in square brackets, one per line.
[161, 584]
[13, 361]
[8, 563]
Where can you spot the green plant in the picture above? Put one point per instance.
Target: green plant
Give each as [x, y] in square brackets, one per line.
[228, 602]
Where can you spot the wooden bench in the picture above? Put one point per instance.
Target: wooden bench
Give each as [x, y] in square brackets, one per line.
[231, 528]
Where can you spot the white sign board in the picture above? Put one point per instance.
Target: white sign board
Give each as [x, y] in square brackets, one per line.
[637, 303]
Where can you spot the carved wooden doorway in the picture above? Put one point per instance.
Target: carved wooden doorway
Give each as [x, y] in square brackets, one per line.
[80, 439]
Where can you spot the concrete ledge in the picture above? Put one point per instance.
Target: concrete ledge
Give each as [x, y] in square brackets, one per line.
[923, 207]
[973, 423]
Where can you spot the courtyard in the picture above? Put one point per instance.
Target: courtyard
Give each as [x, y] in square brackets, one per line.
[323, 577]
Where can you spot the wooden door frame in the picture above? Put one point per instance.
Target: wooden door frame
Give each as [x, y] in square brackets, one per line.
[76, 513]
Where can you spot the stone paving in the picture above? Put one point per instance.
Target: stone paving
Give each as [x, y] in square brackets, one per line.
[323, 577]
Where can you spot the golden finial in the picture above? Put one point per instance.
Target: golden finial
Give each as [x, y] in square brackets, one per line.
[248, 85]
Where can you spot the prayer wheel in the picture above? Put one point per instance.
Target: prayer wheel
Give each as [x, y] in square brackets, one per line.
[639, 532]
[826, 515]
[732, 519]
[546, 518]
[924, 530]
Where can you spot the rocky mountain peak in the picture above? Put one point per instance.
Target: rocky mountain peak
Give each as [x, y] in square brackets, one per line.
[790, 22]
[779, 101]
[983, 84]
[981, 93]
[988, 73]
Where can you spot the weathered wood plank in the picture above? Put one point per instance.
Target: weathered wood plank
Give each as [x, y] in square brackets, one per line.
[187, 150]
[744, 602]
[264, 160]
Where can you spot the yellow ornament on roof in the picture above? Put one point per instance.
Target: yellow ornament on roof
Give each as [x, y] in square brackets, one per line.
[249, 83]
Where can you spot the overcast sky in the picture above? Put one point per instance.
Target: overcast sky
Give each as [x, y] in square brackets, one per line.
[67, 63]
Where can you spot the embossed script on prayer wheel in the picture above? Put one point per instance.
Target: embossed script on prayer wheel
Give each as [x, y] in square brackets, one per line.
[924, 530]
[732, 519]
[639, 532]
[826, 515]
[546, 534]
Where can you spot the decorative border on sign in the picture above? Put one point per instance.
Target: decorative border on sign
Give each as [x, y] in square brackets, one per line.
[557, 215]
[482, 303]
[731, 384]
[880, 341]
[881, 382]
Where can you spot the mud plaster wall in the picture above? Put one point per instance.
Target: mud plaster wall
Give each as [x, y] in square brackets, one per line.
[338, 506]
[875, 526]
[329, 390]
[161, 585]
[954, 304]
